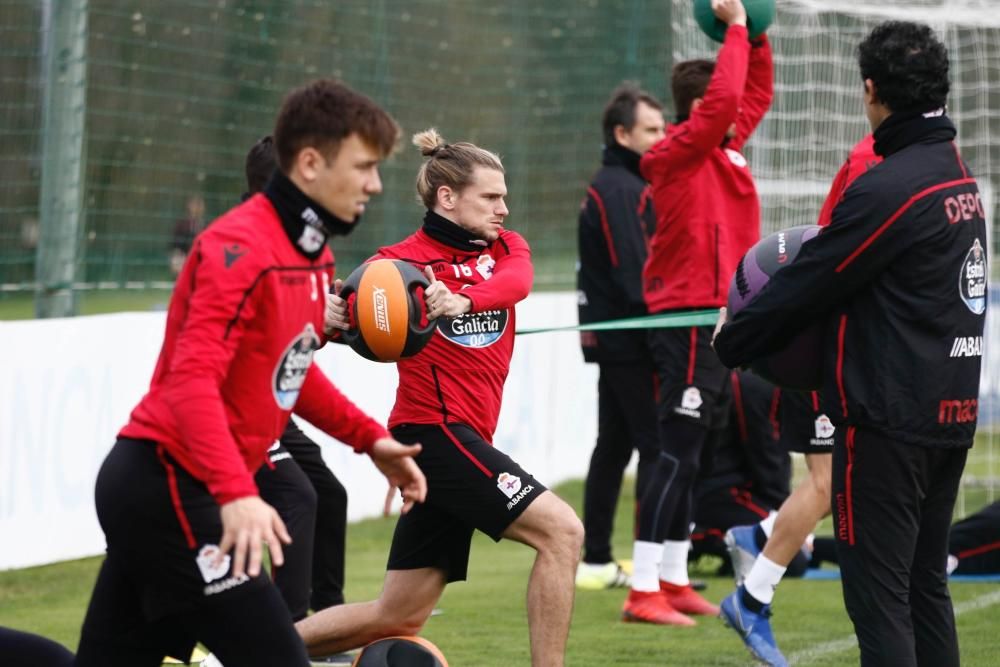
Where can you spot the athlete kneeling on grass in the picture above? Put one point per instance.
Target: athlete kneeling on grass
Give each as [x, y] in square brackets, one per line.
[449, 400]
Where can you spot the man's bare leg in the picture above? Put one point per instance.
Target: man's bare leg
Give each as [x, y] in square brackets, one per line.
[551, 527]
[801, 511]
[405, 604]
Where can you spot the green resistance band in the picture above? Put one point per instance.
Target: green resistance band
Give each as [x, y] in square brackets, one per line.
[693, 318]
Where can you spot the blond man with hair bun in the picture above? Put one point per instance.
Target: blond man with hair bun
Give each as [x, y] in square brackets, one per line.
[448, 400]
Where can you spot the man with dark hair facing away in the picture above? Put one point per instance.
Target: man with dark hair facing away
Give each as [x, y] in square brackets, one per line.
[175, 496]
[708, 215]
[616, 220]
[900, 277]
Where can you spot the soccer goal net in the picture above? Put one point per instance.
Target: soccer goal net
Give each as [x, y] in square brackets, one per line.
[817, 117]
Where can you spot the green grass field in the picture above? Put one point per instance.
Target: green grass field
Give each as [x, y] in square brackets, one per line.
[483, 620]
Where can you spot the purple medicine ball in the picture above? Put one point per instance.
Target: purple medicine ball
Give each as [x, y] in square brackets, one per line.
[799, 364]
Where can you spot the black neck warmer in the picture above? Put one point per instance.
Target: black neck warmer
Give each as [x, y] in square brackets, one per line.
[445, 231]
[901, 129]
[616, 154]
[307, 224]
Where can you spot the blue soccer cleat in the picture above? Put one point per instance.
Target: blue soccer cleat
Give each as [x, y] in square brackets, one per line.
[753, 628]
[743, 550]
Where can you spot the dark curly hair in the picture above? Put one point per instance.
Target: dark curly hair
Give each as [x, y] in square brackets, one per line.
[908, 65]
[324, 113]
[260, 164]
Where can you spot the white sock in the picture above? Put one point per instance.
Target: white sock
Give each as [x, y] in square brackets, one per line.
[767, 525]
[763, 579]
[645, 565]
[674, 566]
[810, 538]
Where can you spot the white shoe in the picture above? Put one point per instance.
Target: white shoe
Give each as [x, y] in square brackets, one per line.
[595, 577]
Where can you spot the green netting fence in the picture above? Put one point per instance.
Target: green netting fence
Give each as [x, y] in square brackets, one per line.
[177, 91]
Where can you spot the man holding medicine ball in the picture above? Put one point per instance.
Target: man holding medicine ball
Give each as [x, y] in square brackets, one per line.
[448, 400]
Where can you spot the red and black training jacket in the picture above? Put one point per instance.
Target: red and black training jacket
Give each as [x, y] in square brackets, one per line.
[900, 276]
[616, 221]
[707, 209]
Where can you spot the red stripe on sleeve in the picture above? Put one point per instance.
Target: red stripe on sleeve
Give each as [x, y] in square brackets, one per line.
[895, 216]
[604, 225]
[840, 363]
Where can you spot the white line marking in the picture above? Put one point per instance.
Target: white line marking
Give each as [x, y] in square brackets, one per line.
[806, 656]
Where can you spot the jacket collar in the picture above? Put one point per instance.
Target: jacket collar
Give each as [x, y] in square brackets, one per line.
[617, 155]
[445, 231]
[902, 129]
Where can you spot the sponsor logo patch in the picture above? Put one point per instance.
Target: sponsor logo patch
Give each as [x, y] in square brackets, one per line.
[381, 304]
[955, 411]
[291, 370]
[475, 329]
[521, 494]
[967, 346]
[233, 252]
[225, 585]
[972, 279]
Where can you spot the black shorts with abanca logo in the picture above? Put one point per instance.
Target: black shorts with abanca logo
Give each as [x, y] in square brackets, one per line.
[470, 485]
[803, 425]
[693, 385]
[160, 580]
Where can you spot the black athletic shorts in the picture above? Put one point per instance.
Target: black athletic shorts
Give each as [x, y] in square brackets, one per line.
[693, 383]
[470, 485]
[159, 591]
[804, 428]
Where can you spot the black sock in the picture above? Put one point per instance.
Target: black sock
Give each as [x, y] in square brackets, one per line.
[752, 603]
[759, 536]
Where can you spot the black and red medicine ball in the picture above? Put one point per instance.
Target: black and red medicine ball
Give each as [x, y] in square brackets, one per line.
[401, 652]
[385, 299]
[799, 365]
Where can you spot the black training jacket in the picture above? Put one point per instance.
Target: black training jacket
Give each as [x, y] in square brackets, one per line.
[901, 276]
[616, 221]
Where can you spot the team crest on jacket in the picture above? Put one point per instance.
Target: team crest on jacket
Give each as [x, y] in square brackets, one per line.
[972, 279]
[736, 157]
[474, 329]
[291, 370]
[484, 265]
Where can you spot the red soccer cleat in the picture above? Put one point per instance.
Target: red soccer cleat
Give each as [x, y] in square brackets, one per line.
[685, 600]
[641, 607]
